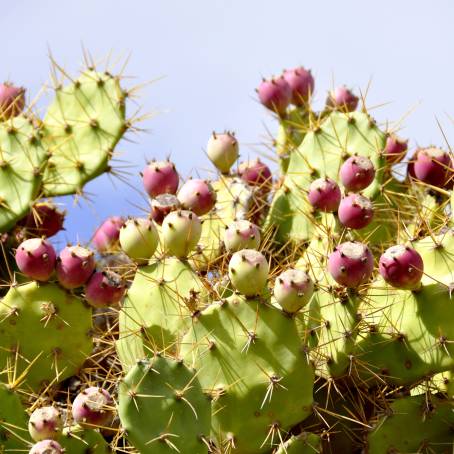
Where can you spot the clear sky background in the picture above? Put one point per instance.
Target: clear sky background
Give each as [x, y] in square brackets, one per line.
[211, 54]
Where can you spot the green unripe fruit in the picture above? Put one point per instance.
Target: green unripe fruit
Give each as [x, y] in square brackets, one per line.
[241, 235]
[293, 289]
[139, 239]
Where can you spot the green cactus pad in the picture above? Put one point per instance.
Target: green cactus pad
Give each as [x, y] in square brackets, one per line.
[76, 440]
[321, 154]
[304, 443]
[21, 163]
[163, 409]
[81, 128]
[13, 421]
[254, 367]
[414, 424]
[158, 308]
[45, 332]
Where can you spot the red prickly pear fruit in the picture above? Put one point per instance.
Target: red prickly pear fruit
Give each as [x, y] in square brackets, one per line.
[36, 259]
[160, 178]
[275, 94]
[181, 232]
[223, 150]
[357, 173]
[12, 101]
[139, 239]
[402, 267]
[75, 265]
[197, 196]
[46, 447]
[44, 220]
[301, 83]
[241, 234]
[256, 173]
[432, 166]
[93, 407]
[395, 149]
[104, 288]
[107, 234]
[324, 194]
[162, 205]
[355, 211]
[341, 98]
[293, 289]
[351, 264]
[248, 272]
[45, 423]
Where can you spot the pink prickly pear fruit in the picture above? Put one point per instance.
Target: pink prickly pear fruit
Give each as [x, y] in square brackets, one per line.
[93, 407]
[181, 232]
[402, 267]
[248, 272]
[162, 205]
[36, 259]
[197, 196]
[395, 149]
[351, 264]
[104, 288]
[139, 239]
[357, 173]
[107, 234]
[223, 151]
[256, 173]
[293, 289]
[12, 101]
[341, 98]
[46, 447]
[241, 234]
[301, 83]
[45, 423]
[44, 220]
[160, 178]
[355, 211]
[75, 265]
[432, 166]
[324, 194]
[275, 94]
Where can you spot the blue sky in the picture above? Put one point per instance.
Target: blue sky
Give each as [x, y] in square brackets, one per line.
[209, 55]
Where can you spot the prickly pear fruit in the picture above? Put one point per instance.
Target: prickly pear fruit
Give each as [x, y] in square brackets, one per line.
[301, 83]
[46, 447]
[139, 239]
[160, 178]
[93, 407]
[241, 234]
[107, 234]
[275, 94]
[324, 194]
[36, 259]
[351, 264]
[341, 98]
[75, 265]
[197, 196]
[223, 150]
[44, 220]
[181, 232]
[256, 173]
[105, 288]
[45, 423]
[355, 211]
[248, 272]
[395, 149]
[357, 173]
[431, 166]
[293, 289]
[12, 101]
[162, 205]
[402, 267]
